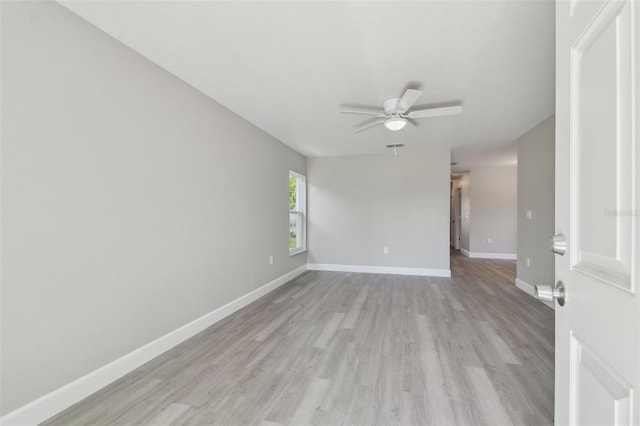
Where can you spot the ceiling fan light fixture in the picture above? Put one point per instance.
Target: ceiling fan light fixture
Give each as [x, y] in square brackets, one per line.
[395, 123]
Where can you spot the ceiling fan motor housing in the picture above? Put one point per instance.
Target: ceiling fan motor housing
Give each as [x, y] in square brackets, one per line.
[390, 105]
[395, 121]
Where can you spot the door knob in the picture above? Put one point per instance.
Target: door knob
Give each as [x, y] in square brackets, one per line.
[558, 244]
[546, 294]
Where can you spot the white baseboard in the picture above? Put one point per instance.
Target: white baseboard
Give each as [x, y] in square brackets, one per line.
[530, 289]
[424, 272]
[477, 255]
[54, 402]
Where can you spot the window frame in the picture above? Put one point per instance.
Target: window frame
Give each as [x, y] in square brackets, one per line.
[301, 212]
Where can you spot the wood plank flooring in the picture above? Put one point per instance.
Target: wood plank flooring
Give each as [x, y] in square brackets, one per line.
[334, 348]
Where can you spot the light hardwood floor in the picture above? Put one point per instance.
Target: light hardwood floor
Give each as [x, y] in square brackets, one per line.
[361, 349]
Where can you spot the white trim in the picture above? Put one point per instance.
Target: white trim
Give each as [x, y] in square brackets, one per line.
[54, 402]
[530, 289]
[425, 272]
[476, 255]
[293, 252]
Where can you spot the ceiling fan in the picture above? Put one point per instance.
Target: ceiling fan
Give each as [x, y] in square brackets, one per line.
[395, 112]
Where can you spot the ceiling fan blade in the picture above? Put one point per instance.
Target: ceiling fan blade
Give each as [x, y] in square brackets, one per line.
[408, 99]
[435, 112]
[375, 123]
[365, 112]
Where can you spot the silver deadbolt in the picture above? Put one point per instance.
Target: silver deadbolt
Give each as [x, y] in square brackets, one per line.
[558, 244]
[546, 294]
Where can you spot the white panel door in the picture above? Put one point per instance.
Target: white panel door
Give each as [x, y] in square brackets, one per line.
[597, 190]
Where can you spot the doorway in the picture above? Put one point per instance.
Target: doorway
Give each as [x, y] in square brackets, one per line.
[455, 215]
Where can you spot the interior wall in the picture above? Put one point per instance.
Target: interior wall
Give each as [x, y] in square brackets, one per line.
[131, 203]
[494, 200]
[536, 180]
[360, 204]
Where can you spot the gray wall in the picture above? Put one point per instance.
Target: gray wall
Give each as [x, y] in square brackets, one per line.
[131, 203]
[360, 204]
[493, 203]
[536, 177]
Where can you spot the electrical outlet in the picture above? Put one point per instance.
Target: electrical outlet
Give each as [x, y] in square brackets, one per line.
[489, 240]
[270, 260]
[529, 214]
[528, 261]
[386, 250]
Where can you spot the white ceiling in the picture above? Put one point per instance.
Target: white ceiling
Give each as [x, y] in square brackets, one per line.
[288, 67]
[467, 158]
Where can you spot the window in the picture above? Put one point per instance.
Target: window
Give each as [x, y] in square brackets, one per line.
[297, 211]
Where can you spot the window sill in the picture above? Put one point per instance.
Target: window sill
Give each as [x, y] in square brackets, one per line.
[297, 251]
